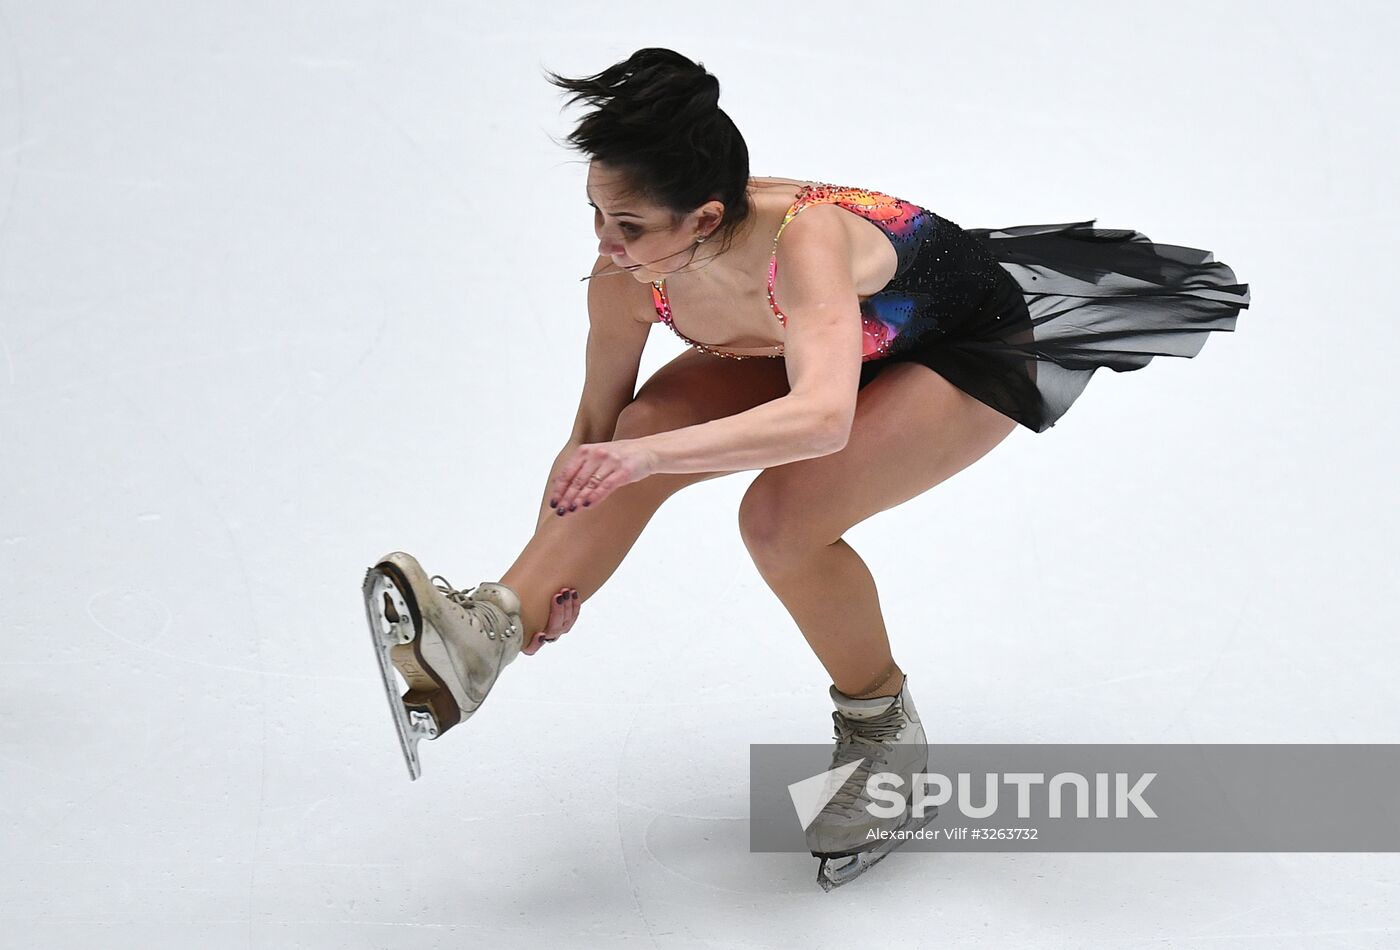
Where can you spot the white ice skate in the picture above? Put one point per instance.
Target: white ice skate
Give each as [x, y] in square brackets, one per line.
[887, 734]
[449, 646]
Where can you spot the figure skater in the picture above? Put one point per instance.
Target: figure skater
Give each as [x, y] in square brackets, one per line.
[855, 348]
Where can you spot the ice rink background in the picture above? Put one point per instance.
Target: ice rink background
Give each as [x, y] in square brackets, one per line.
[284, 287]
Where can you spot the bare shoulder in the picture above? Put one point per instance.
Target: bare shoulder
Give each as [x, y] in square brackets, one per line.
[816, 260]
[829, 236]
[818, 231]
[618, 294]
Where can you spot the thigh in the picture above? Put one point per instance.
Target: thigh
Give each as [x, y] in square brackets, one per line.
[698, 387]
[912, 430]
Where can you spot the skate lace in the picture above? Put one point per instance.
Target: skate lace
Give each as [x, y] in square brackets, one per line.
[481, 617]
[868, 738]
[460, 597]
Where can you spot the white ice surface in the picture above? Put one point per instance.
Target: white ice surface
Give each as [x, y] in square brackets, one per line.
[284, 287]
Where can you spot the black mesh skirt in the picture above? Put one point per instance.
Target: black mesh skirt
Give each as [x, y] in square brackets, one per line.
[1027, 314]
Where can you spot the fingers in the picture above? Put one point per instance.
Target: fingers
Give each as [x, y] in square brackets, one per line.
[582, 490]
[563, 492]
[563, 611]
[594, 471]
[568, 611]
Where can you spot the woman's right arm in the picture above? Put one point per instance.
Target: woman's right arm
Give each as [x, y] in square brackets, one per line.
[618, 307]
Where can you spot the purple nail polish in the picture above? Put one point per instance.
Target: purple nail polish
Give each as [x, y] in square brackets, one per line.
[574, 595]
[573, 507]
[553, 502]
[585, 504]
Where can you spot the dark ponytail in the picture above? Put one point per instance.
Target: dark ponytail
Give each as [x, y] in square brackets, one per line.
[657, 120]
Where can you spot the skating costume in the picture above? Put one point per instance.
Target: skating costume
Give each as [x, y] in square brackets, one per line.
[1020, 317]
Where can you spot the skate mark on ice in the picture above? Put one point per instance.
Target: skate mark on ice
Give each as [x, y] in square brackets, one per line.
[621, 842]
[713, 851]
[21, 125]
[1226, 642]
[1125, 678]
[192, 660]
[9, 361]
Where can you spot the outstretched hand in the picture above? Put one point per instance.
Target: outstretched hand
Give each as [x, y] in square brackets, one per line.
[595, 470]
[563, 611]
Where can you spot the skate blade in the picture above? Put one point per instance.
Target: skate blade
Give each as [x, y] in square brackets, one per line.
[831, 875]
[427, 709]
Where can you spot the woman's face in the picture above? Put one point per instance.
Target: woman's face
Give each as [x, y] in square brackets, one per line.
[635, 234]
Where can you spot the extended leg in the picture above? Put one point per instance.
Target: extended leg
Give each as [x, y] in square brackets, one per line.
[583, 549]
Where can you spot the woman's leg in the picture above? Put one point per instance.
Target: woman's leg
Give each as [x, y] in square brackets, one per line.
[584, 549]
[912, 430]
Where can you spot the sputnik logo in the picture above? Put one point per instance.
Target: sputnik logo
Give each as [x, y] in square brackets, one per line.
[810, 795]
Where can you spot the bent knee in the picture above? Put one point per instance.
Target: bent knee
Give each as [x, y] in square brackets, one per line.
[644, 416]
[777, 526]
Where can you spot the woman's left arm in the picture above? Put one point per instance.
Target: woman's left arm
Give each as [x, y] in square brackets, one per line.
[822, 352]
[784, 430]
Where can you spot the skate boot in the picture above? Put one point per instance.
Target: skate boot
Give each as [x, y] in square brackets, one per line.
[887, 736]
[449, 646]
